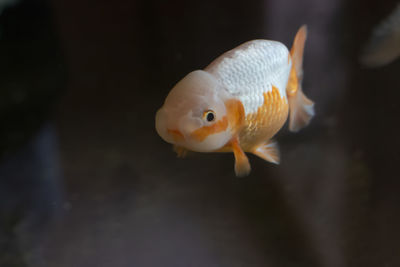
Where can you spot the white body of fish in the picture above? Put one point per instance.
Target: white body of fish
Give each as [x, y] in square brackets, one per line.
[250, 70]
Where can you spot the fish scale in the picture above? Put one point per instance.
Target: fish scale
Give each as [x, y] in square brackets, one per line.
[251, 69]
[266, 121]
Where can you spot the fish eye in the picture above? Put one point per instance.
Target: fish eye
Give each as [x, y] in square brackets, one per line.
[209, 115]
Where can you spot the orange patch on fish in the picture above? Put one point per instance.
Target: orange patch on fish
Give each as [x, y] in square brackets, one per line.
[176, 135]
[266, 122]
[202, 133]
[236, 114]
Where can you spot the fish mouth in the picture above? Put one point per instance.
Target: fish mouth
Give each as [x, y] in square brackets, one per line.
[171, 135]
[177, 135]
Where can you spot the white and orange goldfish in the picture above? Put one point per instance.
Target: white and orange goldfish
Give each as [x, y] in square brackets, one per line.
[239, 102]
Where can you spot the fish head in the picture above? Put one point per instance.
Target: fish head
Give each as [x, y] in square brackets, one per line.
[194, 115]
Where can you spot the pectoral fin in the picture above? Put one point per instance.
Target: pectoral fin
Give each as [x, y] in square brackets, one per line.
[268, 151]
[242, 165]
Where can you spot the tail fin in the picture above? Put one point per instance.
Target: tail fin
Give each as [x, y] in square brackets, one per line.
[301, 108]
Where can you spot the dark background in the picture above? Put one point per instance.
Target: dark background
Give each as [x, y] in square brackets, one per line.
[86, 181]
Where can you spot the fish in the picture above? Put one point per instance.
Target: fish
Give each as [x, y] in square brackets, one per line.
[383, 46]
[239, 102]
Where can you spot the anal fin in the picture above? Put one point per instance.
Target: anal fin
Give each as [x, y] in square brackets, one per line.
[268, 151]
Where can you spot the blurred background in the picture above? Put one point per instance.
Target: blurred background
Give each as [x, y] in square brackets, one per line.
[86, 181]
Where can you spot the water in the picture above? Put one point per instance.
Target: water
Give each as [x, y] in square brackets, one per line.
[86, 181]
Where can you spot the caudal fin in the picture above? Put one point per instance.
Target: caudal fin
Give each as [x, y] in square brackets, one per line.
[301, 108]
